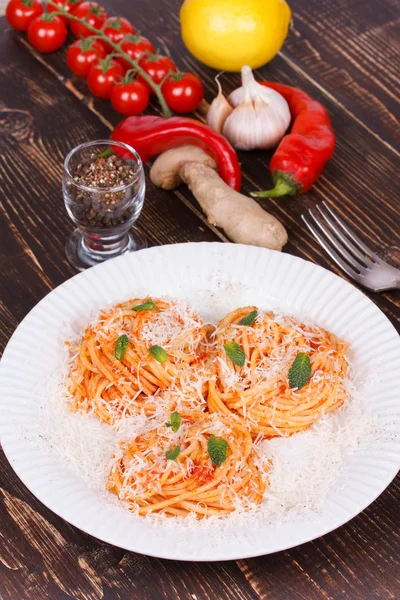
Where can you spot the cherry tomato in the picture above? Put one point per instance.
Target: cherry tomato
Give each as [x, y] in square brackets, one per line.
[135, 46]
[103, 76]
[183, 92]
[47, 33]
[94, 14]
[156, 66]
[20, 13]
[67, 5]
[130, 98]
[83, 54]
[116, 28]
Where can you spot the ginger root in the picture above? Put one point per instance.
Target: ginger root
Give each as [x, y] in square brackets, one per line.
[242, 218]
[165, 170]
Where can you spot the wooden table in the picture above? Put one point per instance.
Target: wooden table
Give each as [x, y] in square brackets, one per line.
[343, 53]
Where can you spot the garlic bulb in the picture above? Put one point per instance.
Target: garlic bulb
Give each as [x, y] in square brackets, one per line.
[219, 110]
[260, 116]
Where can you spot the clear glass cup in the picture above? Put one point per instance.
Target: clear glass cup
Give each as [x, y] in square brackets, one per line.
[105, 209]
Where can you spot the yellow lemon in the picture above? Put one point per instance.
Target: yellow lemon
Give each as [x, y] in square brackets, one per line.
[227, 34]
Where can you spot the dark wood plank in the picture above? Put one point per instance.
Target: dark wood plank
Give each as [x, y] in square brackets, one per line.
[348, 53]
[55, 560]
[41, 555]
[76, 565]
[366, 197]
[351, 48]
[56, 65]
[342, 564]
[40, 122]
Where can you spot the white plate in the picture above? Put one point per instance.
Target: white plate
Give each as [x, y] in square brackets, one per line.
[215, 278]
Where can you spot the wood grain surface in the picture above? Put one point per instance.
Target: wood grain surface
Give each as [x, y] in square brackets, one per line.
[342, 52]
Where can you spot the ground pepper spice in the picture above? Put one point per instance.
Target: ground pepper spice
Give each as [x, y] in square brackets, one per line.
[102, 206]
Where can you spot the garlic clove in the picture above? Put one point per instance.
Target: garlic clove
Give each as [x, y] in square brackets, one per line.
[249, 129]
[219, 110]
[250, 85]
[239, 127]
[260, 118]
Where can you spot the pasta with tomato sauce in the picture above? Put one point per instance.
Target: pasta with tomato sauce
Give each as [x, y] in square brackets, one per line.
[113, 385]
[260, 392]
[189, 481]
[205, 397]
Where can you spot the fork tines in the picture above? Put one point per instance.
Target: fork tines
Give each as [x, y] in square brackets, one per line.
[339, 241]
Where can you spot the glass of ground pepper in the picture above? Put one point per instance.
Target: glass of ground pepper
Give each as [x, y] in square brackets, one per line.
[103, 188]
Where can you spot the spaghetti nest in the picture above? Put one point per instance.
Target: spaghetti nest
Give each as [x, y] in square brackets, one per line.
[189, 482]
[148, 358]
[259, 392]
[113, 385]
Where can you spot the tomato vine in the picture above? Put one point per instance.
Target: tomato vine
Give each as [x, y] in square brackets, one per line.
[98, 33]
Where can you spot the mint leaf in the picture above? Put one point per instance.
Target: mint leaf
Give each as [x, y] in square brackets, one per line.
[174, 453]
[217, 450]
[174, 421]
[146, 306]
[300, 371]
[121, 346]
[249, 319]
[235, 353]
[158, 353]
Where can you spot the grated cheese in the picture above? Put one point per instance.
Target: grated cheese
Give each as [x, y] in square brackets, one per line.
[301, 469]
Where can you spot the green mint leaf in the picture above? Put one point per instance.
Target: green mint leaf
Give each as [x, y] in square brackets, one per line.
[217, 450]
[158, 353]
[174, 421]
[121, 346]
[174, 453]
[300, 371]
[249, 319]
[146, 306]
[235, 353]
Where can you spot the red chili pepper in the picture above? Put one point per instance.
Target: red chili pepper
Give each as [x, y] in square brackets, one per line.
[150, 135]
[302, 154]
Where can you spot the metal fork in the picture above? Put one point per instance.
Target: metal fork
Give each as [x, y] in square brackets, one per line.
[349, 252]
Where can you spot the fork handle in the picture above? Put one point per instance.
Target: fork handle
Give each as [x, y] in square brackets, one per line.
[395, 286]
[393, 281]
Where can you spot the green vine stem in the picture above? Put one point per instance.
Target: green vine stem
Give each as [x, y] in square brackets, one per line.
[99, 34]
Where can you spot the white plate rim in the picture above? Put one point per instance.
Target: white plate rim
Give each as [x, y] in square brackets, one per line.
[131, 547]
